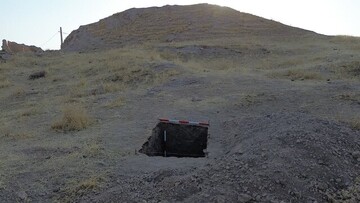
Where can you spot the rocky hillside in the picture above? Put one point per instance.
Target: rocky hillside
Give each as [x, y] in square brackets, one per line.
[283, 107]
[13, 47]
[173, 23]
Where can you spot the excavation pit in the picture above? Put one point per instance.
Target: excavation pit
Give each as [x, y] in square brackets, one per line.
[176, 140]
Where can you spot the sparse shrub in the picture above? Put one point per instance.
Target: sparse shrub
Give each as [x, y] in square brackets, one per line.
[74, 118]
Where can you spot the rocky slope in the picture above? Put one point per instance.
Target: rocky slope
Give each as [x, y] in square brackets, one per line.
[173, 23]
[13, 47]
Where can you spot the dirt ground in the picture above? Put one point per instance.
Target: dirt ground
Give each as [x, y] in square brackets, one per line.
[284, 122]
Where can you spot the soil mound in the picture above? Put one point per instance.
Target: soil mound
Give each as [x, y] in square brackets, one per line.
[171, 24]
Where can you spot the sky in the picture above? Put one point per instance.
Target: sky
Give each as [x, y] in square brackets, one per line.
[37, 22]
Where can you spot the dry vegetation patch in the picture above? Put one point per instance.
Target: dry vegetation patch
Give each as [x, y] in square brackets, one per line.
[74, 118]
[349, 70]
[18, 91]
[352, 97]
[355, 123]
[93, 148]
[4, 82]
[118, 102]
[351, 121]
[9, 133]
[77, 189]
[348, 195]
[78, 90]
[298, 74]
[109, 87]
[90, 74]
[349, 41]
[30, 111]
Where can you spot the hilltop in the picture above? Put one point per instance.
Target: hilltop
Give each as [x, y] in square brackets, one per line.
[174, 24]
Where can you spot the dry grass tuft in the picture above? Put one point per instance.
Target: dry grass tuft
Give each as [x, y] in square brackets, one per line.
[4, 83]
[75, 118]
[93, 149]
[79, 90]
[355, 123]
[118, 102]
[81, 188]
[19, 91]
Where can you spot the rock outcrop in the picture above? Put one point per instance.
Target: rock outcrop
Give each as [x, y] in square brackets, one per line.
[2, 59]
[13, 47]
[172, 24]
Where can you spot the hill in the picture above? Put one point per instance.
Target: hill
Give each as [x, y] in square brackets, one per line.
[173, 24]
[284, 112]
